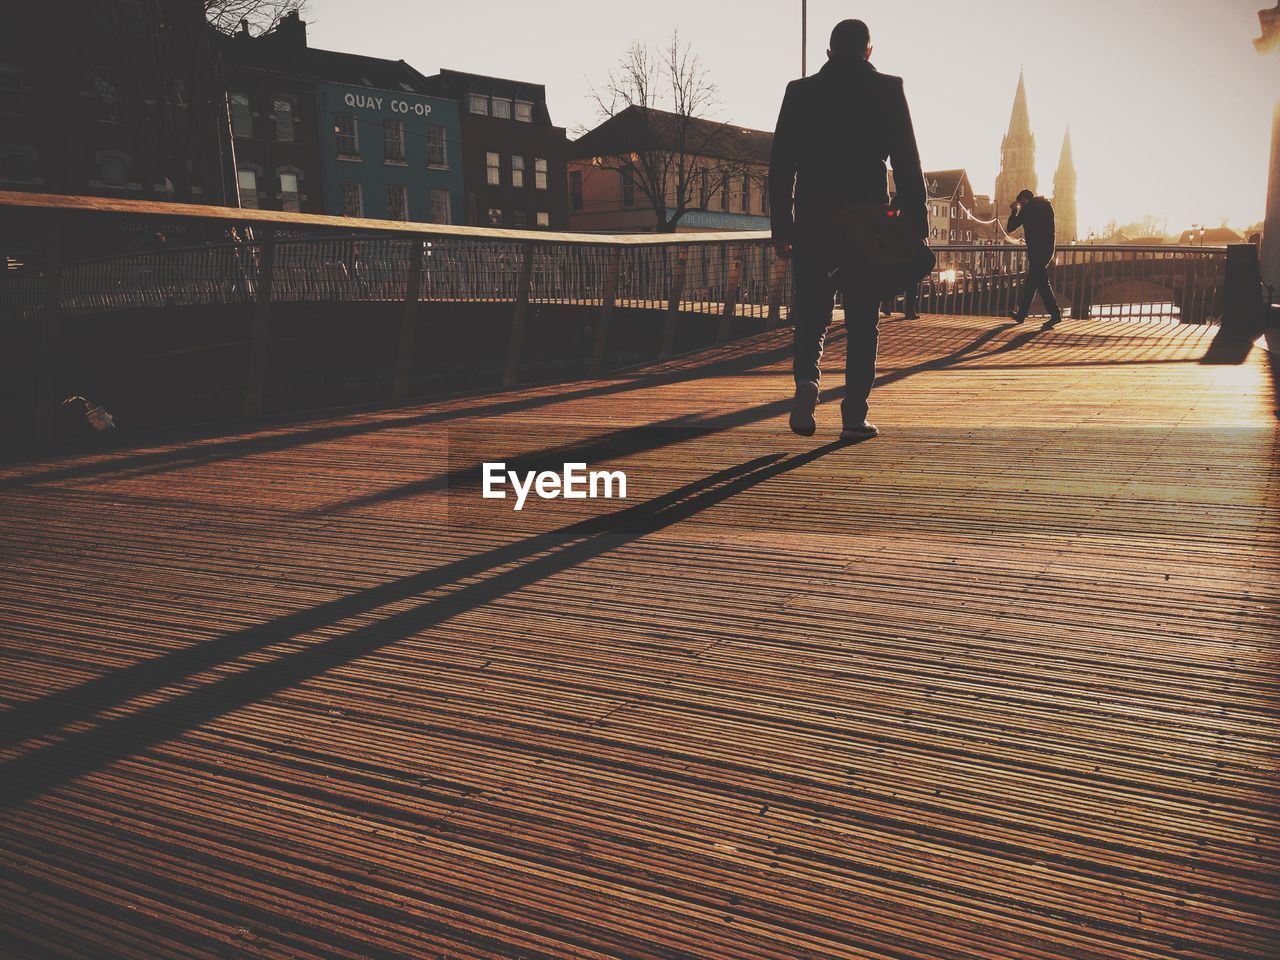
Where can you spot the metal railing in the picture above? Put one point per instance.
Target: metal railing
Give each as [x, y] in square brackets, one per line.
[360, 268]
[740, 275]
[262, 257]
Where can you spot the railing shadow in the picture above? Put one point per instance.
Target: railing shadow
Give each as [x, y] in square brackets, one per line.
[46, 767]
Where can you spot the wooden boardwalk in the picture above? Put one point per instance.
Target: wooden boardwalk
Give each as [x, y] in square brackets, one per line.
[1000, 684]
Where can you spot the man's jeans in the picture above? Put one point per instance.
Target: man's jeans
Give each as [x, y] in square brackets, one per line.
[1037, 281]
[814, 300]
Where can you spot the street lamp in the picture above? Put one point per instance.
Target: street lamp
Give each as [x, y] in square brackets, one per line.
[1268, 44]
[804, 38]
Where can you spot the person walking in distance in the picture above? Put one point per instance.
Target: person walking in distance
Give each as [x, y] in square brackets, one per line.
[1035, 216]
[834, 132]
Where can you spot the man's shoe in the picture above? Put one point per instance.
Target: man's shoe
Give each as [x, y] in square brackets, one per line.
[802, 419]
[911, 316]
[1017, 317]
[1052, 322]
[859, 432]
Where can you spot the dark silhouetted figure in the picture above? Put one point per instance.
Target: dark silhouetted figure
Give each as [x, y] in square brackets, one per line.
[834, 132]
[1035, 216]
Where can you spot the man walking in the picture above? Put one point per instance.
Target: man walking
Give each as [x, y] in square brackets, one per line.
[834, 132]
[1035, 216]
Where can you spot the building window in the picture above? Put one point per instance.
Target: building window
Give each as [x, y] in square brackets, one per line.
[724, 193]
[397, 201]
[17, 163]
[344, 127]
[953, 234]
[544, 218]
[437, 154]
[628, 188]
[440, 206]
[352, 200]
[575, 189]
[517, 170]
[746, 193]
[248, 183]
[241, 115]
[953, 213]
[495, 217]
[519, 218]
[704, 188]
[290, 197]
[493, 169]
[540, 174]
[113, 169]
[524, 111]
[933, 209]
[764, 195]
[478, 104]
[392, 141]
[502, 108]
[282, 107]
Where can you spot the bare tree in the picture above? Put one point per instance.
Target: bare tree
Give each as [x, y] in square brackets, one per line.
[656, 105]
[263, 15]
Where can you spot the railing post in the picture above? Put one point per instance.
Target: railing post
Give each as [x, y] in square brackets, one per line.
[777, 284]
[408, 322]
[606, 310]
[515, 346]
[266, 240]
[673, 305]
[730, 301]
[50, 322]
[1243, 306]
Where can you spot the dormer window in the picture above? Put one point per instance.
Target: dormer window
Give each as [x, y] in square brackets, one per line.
[478, 103]
[501, 108]
[524, 111]
[113, 169]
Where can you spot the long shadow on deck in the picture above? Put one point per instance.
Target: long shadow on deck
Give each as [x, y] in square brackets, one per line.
[651, 437]
[143, 464]
[47, 767]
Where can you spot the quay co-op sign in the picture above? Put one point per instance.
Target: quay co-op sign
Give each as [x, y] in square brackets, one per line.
[367, 101]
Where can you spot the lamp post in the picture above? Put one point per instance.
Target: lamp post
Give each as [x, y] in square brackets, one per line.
[1268, 44]
[804, 38]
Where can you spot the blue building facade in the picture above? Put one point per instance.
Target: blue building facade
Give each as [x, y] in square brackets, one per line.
[390, 154]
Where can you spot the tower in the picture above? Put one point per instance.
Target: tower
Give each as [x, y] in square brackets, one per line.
[1064, 194]
[1017, 154]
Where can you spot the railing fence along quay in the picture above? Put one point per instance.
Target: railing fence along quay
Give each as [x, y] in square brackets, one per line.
[259, 258]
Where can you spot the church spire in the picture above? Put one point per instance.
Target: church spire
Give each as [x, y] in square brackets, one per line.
[1064, 193]
[1020, 118]
[1017, 153]
[1066, 162]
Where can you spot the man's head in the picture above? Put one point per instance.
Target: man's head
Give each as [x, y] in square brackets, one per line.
[850, 38]
[1026, 196]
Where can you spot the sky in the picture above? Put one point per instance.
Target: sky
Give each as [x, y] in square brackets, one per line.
[1169, 106]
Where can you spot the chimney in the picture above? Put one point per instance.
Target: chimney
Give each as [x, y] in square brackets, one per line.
[244, 28]
[292, 30]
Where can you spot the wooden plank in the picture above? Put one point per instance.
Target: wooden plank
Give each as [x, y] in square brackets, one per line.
[515, 345]
[731, 293]
[47, 362]
[672, 319]
[997, 690]
[608, 300]
[260, 337]
[409, 323]
[777, 288]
